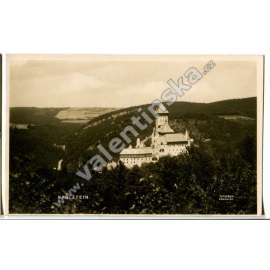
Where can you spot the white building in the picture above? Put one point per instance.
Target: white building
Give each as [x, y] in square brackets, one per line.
[164, 142]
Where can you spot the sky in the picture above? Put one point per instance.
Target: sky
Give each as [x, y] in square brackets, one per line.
[123, 81]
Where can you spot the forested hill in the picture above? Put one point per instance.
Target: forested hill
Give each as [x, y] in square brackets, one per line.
[55, 116]
[202, 119]
[33, 115]
[243, 107]
[222, 160]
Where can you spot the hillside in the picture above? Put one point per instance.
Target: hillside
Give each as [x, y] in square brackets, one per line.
[243, 107]
[34, 116]
[222, 160]
[81, 115]
[201, 119]
[44, 116]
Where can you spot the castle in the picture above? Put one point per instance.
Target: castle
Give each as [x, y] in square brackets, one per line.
[164, 142]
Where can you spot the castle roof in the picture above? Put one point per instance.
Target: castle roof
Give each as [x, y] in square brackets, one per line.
[165, 129]
[161, 109]
[175, 137]
[137, 151]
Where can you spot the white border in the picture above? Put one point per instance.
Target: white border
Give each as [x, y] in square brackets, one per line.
[5, 144]
[259, 59]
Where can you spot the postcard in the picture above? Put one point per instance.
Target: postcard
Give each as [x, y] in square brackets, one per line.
[135, 135]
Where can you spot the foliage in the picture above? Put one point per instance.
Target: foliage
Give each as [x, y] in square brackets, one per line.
[221, 162]
[188, 184]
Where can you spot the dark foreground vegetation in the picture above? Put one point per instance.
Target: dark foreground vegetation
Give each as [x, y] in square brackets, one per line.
[189, 184]
[216, 176]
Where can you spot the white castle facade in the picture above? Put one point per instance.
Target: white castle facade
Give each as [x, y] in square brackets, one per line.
[164, 142]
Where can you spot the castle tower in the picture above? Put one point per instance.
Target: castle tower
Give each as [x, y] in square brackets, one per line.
[155, 143]
[162, 120]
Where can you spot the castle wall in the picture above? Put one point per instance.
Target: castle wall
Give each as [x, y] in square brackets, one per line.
[135, 160]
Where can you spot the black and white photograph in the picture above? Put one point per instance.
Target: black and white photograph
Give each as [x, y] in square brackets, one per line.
[135, 135]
